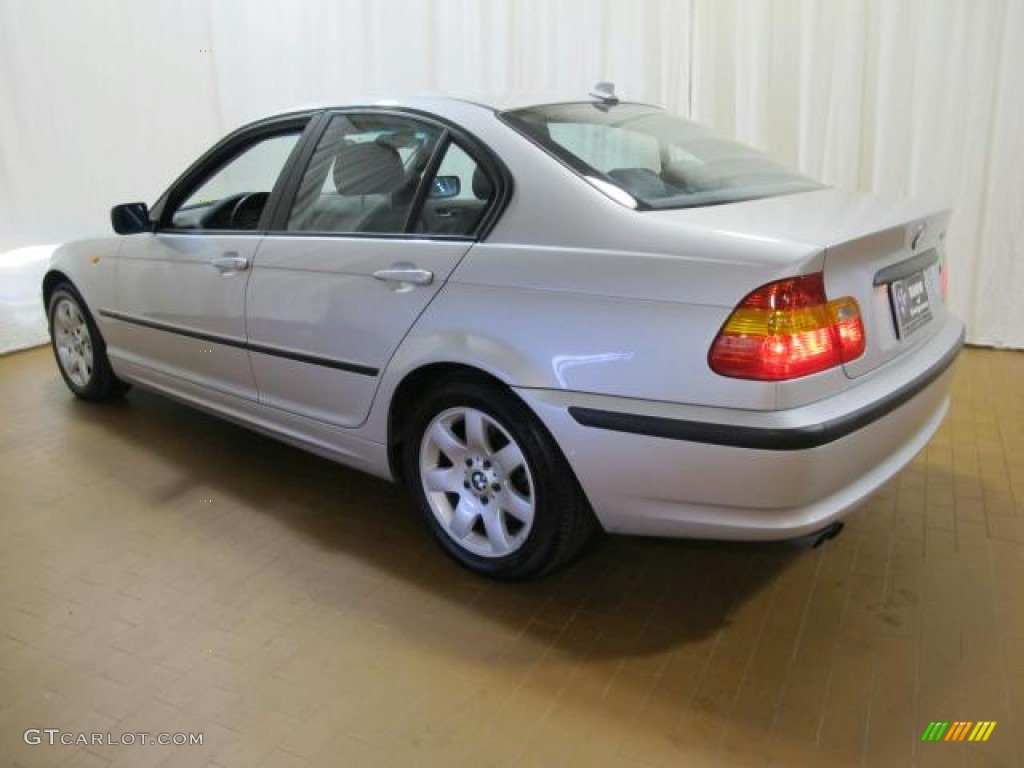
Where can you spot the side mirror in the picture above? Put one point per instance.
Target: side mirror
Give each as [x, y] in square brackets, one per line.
[130, 218]
[445, 186]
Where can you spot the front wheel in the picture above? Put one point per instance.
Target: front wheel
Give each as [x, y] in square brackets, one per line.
[493, 487]
[79, 349]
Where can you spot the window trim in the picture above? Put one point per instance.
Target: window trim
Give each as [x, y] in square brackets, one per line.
[288, 183]
[423, 188]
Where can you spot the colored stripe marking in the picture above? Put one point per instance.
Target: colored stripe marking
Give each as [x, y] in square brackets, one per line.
[958, 730]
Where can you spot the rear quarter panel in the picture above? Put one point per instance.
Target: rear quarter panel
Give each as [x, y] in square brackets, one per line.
[588, 320]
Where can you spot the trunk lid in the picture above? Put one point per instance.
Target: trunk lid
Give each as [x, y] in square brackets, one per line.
[886, 254]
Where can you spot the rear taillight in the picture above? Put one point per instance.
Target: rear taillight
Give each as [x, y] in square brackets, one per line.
[944, 280]
[788, 329]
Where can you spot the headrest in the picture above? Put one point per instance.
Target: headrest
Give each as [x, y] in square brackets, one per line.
[483, 189]
[368, 169]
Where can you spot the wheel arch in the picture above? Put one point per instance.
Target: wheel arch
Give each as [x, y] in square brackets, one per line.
[51, 280]
[413, 384]
[431, 375]
[56, 277]
[573, 524]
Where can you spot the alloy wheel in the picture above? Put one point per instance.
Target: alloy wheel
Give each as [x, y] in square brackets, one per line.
[73, 342]
[477, 482]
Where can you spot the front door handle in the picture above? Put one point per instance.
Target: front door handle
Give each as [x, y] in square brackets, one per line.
[409, 275]
[230, 262]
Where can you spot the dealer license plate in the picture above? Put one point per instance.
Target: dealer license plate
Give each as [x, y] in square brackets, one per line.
[910, 307]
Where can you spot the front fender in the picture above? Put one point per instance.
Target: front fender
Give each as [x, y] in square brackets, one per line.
[90, 266]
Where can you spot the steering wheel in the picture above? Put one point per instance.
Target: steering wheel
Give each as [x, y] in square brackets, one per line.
[247, 211]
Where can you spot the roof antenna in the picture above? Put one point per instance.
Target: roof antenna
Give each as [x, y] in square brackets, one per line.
[605, 93]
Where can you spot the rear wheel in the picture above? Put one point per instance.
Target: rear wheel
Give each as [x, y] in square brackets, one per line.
[493, 487]
[79, 349]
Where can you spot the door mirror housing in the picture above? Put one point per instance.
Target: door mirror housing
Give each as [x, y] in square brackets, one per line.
[444, 187]
[130, 218]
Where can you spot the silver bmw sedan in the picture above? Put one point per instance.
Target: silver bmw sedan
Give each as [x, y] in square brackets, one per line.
[547, 319]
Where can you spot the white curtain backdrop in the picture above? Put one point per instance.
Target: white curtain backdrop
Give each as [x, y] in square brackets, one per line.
[106, 101]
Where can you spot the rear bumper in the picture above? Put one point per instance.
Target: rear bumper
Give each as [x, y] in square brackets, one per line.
[767, 438]
[664, 469]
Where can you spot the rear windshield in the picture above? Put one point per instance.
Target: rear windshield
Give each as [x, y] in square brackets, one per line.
[660, 160]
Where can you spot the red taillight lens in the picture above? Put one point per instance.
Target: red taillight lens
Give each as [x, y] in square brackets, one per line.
[944, 280]
[788, 329]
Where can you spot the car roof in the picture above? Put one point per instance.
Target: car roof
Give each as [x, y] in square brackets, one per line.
[436, 102]
[515, 99]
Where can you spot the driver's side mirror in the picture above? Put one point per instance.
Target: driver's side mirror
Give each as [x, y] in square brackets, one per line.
[130, 218]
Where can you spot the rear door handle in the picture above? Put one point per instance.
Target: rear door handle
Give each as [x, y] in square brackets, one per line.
[405, 275]
[230, 262]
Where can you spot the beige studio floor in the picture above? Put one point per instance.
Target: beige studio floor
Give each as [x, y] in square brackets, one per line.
[164, 571]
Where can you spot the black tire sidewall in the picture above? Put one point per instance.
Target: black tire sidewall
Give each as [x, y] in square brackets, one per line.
[542, 457]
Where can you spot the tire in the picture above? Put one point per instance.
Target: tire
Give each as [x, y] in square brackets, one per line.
[493, 487]
[79, 349]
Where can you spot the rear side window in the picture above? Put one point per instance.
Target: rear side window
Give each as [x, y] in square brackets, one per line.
[460, 193]
[659, 160]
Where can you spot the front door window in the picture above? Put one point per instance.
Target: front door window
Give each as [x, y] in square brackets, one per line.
[233, 196]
